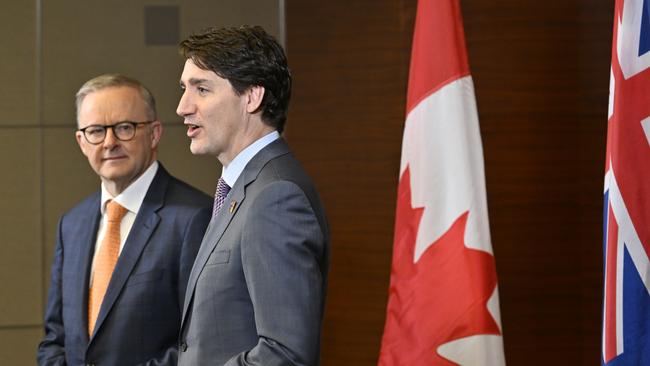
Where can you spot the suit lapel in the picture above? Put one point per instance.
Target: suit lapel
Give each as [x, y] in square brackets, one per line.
[143, 227]
[86, 244]
[216, 228]
[219, 224]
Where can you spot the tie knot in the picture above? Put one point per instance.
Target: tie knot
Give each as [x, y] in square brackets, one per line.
[220, 196]
[222, 188]
[115, 211]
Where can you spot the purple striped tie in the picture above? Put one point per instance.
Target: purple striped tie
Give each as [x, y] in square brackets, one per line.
[220, 196]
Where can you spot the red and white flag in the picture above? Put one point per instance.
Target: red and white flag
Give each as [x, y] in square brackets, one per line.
[443, 306]
[626, 308]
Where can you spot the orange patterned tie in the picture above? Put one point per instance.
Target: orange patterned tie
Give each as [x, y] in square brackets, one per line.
[105, 261]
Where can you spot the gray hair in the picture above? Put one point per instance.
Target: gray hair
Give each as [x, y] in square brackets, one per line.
[116, 80]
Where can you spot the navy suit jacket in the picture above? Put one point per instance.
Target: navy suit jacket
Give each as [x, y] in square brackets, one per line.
[140, 316]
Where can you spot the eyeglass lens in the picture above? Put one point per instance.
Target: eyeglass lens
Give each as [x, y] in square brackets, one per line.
[122, 131]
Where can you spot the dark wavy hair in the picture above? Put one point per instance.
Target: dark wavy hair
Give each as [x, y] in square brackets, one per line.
[246, 56]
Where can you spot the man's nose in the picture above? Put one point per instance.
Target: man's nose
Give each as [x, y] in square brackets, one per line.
[110, 139]
[184, 106]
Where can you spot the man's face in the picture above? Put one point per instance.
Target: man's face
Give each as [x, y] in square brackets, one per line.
[118, 163]
[214, 113]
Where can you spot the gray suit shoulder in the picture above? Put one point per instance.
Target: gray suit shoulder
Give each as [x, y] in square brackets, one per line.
[287, 168]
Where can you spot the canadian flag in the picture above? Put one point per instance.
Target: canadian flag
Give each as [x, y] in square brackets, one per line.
[443, 306]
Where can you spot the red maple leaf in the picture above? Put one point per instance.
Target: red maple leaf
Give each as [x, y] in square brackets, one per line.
[440, 298]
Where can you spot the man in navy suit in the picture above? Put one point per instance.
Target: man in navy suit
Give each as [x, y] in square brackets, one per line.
[137, 314]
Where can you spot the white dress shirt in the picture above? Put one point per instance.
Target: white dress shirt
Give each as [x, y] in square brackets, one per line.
[131, 199]
[231, 172]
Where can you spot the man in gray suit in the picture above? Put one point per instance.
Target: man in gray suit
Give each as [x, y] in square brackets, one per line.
[257, 289]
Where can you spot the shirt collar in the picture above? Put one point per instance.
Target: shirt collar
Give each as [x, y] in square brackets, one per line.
[131, 198]
[232, 172]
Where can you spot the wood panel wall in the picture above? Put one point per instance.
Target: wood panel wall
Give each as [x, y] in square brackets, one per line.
[541, 72]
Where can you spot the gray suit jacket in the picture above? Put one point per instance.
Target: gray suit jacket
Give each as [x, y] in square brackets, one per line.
[257, 289]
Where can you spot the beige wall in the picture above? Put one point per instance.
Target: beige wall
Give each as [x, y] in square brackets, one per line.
[50, 49]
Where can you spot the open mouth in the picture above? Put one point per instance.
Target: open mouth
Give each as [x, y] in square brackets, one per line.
[192, 129]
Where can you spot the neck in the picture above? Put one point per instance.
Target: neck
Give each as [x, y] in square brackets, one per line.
[115, 188]
[244, 140]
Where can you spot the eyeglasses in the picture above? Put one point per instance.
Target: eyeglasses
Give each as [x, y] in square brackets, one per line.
[123, 131]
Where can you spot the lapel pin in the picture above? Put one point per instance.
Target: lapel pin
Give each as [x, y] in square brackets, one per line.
[233, 206]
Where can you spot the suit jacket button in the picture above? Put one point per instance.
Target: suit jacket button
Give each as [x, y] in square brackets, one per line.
[183, 346]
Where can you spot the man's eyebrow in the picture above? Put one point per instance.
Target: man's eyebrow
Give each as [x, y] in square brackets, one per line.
[195, 81]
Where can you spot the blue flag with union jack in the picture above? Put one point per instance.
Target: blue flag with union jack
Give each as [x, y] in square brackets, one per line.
[626, 305]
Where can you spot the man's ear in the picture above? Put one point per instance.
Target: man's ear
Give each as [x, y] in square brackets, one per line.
[156, 133]
[81, 142]
[254, 96]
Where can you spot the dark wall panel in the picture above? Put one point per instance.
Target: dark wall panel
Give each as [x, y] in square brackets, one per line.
[350, 67]
[541, 71]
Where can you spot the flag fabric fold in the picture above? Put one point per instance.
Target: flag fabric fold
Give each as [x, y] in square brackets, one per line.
[626, 214]
[443, 306]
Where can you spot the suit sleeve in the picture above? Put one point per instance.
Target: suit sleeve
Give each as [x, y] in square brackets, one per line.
[190, 246]
[283, 248]
[51, 350]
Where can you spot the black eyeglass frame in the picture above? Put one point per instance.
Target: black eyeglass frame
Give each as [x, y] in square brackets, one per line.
[112, 127]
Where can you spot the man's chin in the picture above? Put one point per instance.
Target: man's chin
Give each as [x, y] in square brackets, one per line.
[113, 173]
[197, 149]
